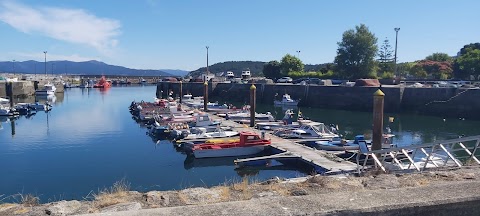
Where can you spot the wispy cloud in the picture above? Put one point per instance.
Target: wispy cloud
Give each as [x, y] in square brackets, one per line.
[54, 57]
[71, 25]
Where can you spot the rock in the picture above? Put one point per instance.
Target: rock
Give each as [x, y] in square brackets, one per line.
[469, 176]
[195, 196]
[122, 207]
[63, 207]
[272, 180]
[382, 182]
[156, 198]
[264, 194]
[298, 193]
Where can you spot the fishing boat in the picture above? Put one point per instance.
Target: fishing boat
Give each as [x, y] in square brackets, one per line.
[102, 83]
[248, 144]
[48, 89]
[286, 101]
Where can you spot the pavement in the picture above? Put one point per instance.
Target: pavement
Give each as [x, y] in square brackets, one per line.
[450, 198]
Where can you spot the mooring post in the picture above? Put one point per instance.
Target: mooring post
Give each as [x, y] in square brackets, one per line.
[378, 98]
[253, 98]
[205, 96]
[9, 92]
[12, 126]
[181, 91]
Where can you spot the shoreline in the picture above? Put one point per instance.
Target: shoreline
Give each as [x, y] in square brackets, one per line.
[118, 198]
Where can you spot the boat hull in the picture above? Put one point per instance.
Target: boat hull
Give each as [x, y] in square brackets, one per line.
[228, 152]
[281, 103]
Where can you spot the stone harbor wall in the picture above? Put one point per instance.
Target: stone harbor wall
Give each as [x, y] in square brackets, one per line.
[443, 102]
[26, 88]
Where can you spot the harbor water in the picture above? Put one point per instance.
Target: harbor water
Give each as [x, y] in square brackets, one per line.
[89, 141]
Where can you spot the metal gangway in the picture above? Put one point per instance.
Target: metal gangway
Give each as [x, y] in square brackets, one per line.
[439, 154]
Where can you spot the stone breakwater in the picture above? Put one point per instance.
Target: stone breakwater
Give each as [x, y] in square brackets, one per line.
[452, 192]
[24, 89]
[443, 102]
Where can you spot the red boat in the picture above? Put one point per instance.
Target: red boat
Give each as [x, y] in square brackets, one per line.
[102, 83]
[248, 144]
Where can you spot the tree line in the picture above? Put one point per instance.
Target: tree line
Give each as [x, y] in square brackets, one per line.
[359, 56]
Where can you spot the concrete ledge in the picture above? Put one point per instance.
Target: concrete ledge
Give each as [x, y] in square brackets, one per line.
[451, 198]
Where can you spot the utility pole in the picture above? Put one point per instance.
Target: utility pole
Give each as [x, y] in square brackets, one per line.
[207, 59]
[45, 52]
[396, 42]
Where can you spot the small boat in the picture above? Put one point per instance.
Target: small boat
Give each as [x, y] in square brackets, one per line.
[286, 101]
[102, 83]
[48, 89]
[337, 144]
[40, 106]
[244, 117]
[311, 130]
[5, 111]
[248, 144]
[202, 134]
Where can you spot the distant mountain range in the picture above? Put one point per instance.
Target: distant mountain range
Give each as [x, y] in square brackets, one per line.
[82, 68]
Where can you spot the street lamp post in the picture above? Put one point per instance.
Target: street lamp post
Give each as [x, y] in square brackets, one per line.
[207, 59]
[396, 42]
[298, 53]
[13, 67]
[45, 52]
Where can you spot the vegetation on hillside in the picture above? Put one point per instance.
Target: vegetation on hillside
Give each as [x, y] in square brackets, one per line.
[359, 56]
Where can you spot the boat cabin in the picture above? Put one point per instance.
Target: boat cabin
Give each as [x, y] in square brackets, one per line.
[250, 137]
[230, 75]
[246, 74]
[204, 120]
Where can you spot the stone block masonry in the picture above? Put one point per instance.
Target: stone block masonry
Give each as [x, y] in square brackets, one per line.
[443, 102]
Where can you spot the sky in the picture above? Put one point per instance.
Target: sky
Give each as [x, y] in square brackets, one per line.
[158, 34]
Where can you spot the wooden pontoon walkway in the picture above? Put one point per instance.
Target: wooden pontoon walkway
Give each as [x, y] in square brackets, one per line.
[310, 155]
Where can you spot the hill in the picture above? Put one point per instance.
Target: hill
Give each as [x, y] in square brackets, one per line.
[78, 68]
[237, 67]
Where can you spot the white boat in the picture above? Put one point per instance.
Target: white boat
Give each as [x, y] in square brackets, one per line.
[312, 130]
[203, 134]
[244, 117]
[286, 101]
[48, 89]
[5, 111]
[40, 106]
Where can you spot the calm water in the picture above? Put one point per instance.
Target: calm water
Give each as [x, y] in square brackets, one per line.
[89, 141]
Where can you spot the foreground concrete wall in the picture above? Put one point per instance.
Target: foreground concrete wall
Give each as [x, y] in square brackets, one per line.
[444, 102]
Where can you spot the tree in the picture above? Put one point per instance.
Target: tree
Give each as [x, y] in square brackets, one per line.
[271, 70]
[439, 57]
[469, 63]
[386, 63]
[463, 65]
[418, 71]
[290, 63]
[356, 53]
[435, 69]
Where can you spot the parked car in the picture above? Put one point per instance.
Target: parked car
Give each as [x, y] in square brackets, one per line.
[298, 81]
[285, 80]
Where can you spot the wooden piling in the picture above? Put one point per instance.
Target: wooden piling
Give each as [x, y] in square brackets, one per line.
[253, 97]
[378, 98]
[205, 96]
[181, 91]
[9, 91]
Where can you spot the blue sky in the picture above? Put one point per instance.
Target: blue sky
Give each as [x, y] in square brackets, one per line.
[156, 34]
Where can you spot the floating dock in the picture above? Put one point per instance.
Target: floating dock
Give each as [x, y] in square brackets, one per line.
[321, 160]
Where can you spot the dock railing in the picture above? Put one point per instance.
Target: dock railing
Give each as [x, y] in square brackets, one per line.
[446, 153]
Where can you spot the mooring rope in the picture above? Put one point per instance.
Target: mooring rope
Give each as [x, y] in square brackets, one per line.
[435, 101]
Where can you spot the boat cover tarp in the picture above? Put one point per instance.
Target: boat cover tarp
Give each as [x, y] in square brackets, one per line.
[367, 82]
